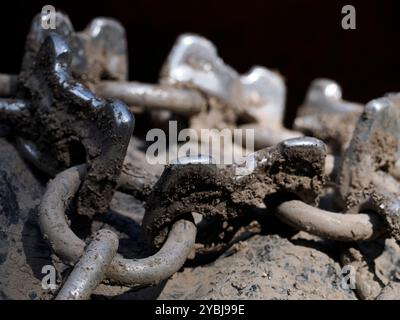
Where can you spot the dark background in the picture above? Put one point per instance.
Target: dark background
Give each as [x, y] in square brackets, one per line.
[302, 39]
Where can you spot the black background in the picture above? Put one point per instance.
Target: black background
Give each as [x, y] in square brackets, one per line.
[302, 39]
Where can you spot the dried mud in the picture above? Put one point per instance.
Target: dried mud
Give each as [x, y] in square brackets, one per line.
[253, 266]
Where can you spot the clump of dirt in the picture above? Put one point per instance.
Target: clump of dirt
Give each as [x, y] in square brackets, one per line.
[390, 292]
[376, 264]
[24, 252]
[263, 267]
[216, 191]
[70, 125]
[254, 266]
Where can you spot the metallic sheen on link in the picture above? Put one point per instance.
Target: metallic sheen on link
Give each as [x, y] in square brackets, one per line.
[331, 225]
[91, 267]
[70, 248]
[154, 97]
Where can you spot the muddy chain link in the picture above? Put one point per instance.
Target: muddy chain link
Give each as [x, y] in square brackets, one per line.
[60, 103]
[70, 248]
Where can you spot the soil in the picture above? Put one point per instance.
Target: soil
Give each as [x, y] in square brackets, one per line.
[23, 253]
[235, 257]
[263, 266]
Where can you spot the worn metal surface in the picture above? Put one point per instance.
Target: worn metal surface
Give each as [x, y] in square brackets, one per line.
[373, 148]
[59, 125]
[137, 177]
[294, 166]
[154, 97]
[331, 225]
[13, 112]
[60, 122]
[69, 247]
[325, 115]
[53, 112]
[253, 100]
[99, 51]
[194, 62]
[91, 267]
[52, 220]
[364, 178]
[264, 98]
[163, 264]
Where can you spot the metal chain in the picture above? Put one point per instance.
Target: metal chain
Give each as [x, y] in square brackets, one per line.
[129, 272]
[362, 143]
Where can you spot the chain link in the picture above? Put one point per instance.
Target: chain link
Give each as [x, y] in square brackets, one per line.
[288, 177]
